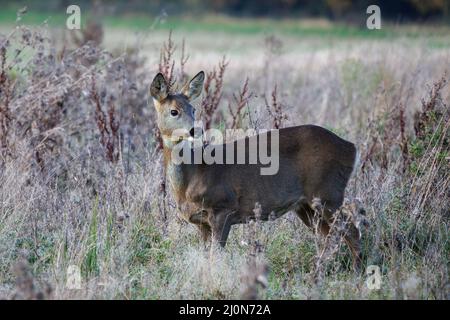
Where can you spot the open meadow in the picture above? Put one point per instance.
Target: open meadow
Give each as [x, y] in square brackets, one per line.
[82, 183]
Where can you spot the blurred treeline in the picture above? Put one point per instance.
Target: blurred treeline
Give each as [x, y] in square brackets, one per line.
[397, 10]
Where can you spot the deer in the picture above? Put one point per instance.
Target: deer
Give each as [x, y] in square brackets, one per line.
[313, 163]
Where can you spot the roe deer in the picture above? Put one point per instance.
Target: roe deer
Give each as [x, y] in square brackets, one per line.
[313, 163]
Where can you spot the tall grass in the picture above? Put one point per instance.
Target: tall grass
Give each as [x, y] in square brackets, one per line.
[82, 186]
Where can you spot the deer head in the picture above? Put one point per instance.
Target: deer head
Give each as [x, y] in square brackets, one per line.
[175, 114]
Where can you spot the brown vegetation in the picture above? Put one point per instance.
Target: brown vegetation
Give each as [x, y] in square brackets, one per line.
[79, 184]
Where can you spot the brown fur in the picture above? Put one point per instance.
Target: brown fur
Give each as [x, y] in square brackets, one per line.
[314, 163]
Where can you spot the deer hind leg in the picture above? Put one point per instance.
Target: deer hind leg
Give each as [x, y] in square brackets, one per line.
[221, 222]
[351, 238]
[306, 214]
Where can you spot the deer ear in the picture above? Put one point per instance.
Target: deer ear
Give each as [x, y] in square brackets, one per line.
[193, 88]
[158, 88]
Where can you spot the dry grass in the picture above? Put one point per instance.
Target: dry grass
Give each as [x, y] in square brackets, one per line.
[81, 181]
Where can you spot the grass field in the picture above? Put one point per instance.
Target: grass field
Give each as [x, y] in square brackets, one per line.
[302, 27]
[66, 202]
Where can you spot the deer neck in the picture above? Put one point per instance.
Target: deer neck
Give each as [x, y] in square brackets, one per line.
[176, 174]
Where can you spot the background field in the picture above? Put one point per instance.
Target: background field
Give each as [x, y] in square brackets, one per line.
[81, 176]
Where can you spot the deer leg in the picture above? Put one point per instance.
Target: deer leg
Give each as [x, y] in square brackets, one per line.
[306, 215]
[351, 238]
[205, 231]
[353, 241]
[221, 222]
[200, 219]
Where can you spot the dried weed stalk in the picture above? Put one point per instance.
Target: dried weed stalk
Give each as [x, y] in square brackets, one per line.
[256, 272]
[213, 93]
[275, 110]
[167, 62]
[240, 102]
[107, 125]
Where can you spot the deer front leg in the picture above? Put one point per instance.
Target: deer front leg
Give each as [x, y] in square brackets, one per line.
[221, 222]
[200, 219]
[205, 232]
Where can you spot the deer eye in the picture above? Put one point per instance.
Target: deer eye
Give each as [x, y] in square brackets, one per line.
[174, 112]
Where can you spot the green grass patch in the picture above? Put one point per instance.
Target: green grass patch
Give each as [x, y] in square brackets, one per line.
[222, 24]
[90, 265]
